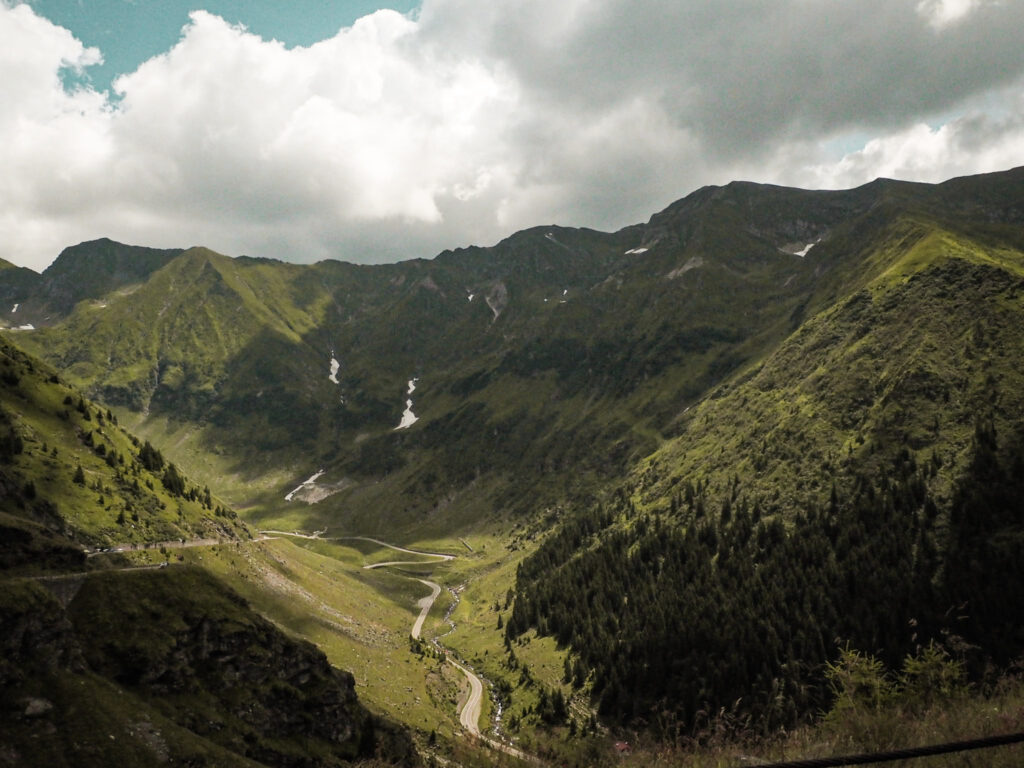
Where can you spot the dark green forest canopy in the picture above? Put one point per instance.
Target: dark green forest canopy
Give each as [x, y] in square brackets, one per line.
[692, 611]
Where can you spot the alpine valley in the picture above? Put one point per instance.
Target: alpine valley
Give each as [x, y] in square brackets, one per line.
[747, 479]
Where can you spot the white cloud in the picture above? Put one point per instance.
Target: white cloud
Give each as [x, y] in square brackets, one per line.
[227, 137]
[942, 13]
[401, 136]
[974, 143]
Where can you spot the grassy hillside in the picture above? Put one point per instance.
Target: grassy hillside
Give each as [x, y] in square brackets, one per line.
[113, 653]
[909, 359]
[69, 471]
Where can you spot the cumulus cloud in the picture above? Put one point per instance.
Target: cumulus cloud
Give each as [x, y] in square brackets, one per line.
[975, 143]
[401, 136]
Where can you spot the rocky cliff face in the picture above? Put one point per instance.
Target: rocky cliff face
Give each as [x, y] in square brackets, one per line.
[184, 651]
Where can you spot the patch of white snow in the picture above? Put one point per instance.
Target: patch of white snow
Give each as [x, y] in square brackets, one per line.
[309, 482]
[565, 291]
[335, 367]
[408, 417]
[806, 250]
[636, 251]
[471, 296]
[15, 308]
[28, 327]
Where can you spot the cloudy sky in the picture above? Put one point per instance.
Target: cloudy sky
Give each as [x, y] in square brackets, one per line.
[316, 129]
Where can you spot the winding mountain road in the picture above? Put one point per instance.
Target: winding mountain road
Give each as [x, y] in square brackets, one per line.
[469, 714]
[469, 717]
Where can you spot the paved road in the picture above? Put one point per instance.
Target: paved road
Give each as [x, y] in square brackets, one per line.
[172, 544]
[469, 714]
[424, 605]
[469, 717]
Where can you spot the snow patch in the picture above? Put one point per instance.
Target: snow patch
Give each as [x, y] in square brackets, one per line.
[15, 308]
[636, 251]
[408, 417]
[798, 248]
[565, 291]
[28, 327]
[470, 297]
[307, 484]
[335, 367]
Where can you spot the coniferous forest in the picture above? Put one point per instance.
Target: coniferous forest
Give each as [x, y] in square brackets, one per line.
[675, 618]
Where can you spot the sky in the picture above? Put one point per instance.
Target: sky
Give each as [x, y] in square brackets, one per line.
[321, 129]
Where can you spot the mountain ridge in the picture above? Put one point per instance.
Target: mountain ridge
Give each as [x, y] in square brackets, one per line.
[646, 320]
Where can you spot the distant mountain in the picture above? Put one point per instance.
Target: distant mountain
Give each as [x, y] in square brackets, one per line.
[16, 283]
[89, 270]
[551, 361]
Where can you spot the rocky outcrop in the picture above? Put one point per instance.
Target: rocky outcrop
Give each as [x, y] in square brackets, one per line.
[197, 656]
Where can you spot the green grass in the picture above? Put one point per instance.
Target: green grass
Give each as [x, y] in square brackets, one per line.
[360, 619]
[118, 501]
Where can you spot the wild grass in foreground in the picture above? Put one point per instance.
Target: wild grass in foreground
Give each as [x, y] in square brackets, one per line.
[928, 702]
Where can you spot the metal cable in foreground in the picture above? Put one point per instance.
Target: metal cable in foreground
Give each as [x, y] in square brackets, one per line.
[901, 754]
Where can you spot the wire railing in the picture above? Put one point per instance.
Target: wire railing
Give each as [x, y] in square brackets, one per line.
[900, 754]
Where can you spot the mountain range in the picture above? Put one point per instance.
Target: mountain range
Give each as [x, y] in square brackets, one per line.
[786, 357]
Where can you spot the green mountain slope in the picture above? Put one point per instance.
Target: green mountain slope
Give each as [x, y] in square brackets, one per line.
[859, 485]
[909, 358]
[69, 473]
[106, 660]
[548, 362]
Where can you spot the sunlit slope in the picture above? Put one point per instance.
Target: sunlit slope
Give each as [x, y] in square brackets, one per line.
[926, 343]
[72, 478]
